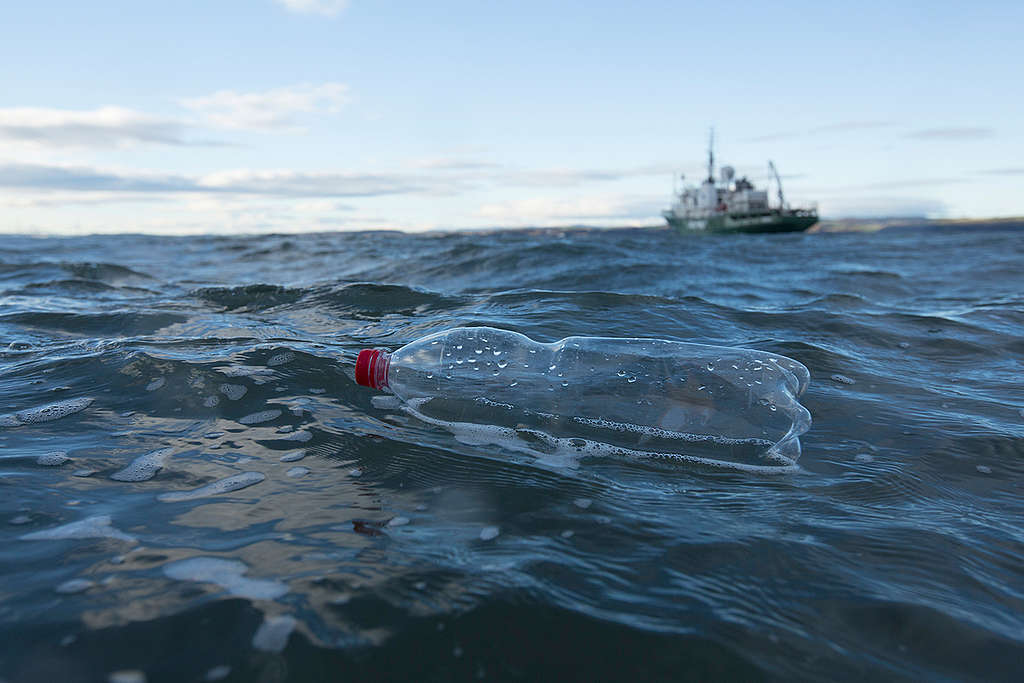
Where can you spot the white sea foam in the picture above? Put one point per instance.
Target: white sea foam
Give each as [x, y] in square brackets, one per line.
[293, 456]
[228, 574]
[489, 533]
[298, 471]
[233, 391]
[226, 485]
[46, 413]
[273, 633]
[156, 384]
[302, 436]
[53, 459]
[90, 527]
[143, 467]
[260, 417]
[281, 359]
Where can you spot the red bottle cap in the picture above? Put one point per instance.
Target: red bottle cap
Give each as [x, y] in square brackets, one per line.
[372, 368]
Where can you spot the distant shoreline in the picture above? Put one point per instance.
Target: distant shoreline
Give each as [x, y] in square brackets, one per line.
[876, 224]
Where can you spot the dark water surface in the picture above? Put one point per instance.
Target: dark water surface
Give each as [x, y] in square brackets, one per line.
[365, 544]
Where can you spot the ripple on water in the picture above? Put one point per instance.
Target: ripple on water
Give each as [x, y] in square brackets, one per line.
[228, 574]
[260, 417]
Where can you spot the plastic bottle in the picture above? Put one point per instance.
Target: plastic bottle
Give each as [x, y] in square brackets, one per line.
[599, 395]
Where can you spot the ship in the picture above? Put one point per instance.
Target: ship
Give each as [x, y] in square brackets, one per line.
[734, 205]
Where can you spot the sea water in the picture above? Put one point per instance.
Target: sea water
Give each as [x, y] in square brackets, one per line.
[157, 395]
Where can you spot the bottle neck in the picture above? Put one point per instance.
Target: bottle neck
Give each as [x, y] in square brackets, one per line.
[372, 368]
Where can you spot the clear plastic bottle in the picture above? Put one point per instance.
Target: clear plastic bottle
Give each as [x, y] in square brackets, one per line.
[600, 395]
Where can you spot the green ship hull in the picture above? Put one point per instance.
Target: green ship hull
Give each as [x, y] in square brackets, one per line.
[774, 221]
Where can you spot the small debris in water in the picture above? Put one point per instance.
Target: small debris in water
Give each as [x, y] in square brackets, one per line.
[568, 533]
[356, 472]
[842, 379]
[984, 469]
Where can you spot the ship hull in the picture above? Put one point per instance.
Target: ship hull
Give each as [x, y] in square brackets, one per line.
[791, 221]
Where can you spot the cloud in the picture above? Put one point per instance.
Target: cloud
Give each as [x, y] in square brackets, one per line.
[268, 110]
[274, 183]
[328, 8]
[1014, 170]
[103, 127]
[841, 127]
[952, 133]
[545, 211]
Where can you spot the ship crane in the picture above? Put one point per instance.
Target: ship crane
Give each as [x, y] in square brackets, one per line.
[778, 180]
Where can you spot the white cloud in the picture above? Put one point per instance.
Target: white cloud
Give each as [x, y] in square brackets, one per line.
[328, 8]
[103, 127]
[540, 211]
[271, 109]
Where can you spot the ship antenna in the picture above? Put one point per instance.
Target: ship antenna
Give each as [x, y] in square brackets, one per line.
[711, 155]
[778, 180]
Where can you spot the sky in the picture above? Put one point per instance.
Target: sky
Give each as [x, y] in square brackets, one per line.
[252, 116]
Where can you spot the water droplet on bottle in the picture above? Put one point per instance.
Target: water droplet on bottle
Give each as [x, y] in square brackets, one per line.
[631, 379]
[702, 387]
[621, 373]
[564, 384]
[552, 367]
[430, 375]
[711, 366]
[514, 384]
[471, 360]
[497, 352]
[771, 406]
[496, 373]
[479, 351]
[502, 363]
[459, 361]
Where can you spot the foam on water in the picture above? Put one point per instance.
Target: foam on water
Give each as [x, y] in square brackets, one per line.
[97, 526]
[54, 459]
[143, 467]
[281, 359]
[297, 471]
[46, 413]
[260, 417]
[233, 391]
[294, 456]
[228, 574]
[226, 485]
[74, 586]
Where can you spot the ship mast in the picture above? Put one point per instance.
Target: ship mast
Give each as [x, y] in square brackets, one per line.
[778, 180]
[711, 155]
